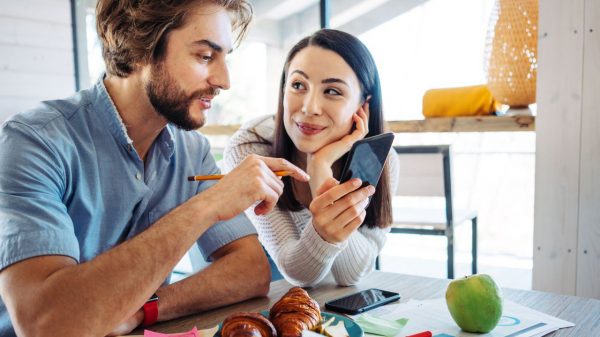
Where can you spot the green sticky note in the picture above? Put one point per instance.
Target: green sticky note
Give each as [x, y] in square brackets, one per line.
[380, 326]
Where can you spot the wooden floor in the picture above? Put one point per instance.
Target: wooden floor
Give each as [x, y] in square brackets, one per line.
[426, 256]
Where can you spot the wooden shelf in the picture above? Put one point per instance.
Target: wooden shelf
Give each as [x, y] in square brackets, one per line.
[219, 130]
[457, 124]
[465, 124]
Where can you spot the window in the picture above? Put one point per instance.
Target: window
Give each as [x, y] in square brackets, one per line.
[435, 45]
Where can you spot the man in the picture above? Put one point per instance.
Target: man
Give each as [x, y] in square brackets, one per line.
[95, 209]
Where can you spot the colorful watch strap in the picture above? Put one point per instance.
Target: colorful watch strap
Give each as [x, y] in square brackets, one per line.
[150, 311]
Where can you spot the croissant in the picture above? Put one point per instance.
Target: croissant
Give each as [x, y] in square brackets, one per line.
[295, 312]
[247, 324]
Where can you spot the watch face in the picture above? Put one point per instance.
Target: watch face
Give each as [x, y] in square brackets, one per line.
[153, 298]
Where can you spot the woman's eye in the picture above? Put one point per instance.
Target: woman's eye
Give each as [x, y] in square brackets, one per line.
[331, 91]
[297, 85]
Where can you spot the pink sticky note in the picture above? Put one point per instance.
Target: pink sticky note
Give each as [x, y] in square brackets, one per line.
[191, 333]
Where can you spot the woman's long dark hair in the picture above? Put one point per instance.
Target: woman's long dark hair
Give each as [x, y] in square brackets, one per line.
[358, 57]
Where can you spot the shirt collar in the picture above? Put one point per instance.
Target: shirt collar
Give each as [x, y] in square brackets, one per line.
[109, 114]
[165, 141]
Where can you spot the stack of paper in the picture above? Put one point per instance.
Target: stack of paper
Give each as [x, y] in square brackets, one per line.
[433, 315]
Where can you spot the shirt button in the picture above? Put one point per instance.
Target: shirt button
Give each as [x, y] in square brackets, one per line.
[138, 176]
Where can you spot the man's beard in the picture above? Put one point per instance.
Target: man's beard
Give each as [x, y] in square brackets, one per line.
[170, 100]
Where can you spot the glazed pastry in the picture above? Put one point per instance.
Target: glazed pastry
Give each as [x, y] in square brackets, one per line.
[295, 312]
[247, 324]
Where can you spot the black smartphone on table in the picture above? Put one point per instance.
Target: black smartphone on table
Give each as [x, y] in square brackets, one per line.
[366, 159]
[362, 301]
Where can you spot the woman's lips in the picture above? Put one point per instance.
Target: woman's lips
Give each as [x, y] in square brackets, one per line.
[309, 129]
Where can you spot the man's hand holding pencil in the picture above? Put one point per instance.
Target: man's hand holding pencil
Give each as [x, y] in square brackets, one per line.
[256, 179]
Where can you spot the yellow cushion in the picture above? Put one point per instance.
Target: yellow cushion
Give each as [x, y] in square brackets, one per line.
[463, 101]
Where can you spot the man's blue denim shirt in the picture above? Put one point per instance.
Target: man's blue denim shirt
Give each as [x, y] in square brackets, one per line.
[72, 184]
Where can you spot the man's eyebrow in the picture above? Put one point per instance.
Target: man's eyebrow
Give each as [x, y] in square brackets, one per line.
[212, 45]
[334, 80]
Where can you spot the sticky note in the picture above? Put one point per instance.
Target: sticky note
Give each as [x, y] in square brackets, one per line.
[191, 333]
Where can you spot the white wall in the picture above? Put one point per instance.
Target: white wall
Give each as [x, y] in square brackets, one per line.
[566, 255]
[36, 53]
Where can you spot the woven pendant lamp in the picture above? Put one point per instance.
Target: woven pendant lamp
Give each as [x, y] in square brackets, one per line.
[511, 52]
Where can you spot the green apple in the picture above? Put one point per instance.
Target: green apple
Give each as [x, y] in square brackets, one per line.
[475, 303]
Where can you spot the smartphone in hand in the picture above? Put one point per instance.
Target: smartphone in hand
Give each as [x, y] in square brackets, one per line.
[362, 301]
[366, 159]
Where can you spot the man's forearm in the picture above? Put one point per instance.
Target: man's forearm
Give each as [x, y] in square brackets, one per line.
[98, 294]
[240, 273]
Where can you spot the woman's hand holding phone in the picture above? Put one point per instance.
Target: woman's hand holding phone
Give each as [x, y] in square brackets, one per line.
[319, 163]
[339, 209]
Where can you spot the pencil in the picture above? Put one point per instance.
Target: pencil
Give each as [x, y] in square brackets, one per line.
[421, 334]
[219, 176]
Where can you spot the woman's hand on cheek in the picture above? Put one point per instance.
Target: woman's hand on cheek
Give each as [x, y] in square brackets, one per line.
[340, 209]
[329, 153]
[319, 163]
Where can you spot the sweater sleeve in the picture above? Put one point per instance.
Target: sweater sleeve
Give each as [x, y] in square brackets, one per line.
[299, 252]
[364, 245]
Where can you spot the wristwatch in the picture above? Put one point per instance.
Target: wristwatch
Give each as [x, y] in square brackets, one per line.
[151, 310]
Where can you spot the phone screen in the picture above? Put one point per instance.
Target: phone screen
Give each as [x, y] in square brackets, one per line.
[367, 158]
[362, 301]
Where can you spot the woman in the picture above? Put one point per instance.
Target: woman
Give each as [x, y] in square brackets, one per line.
[329, 98]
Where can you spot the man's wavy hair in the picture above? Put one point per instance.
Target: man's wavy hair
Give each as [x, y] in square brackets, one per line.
[136, 31]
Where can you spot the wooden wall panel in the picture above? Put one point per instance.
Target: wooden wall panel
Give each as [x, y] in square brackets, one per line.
[56, 11]
[21, 32]
[558, 127]
[588, 252]
[32, 85]
[36, 58]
